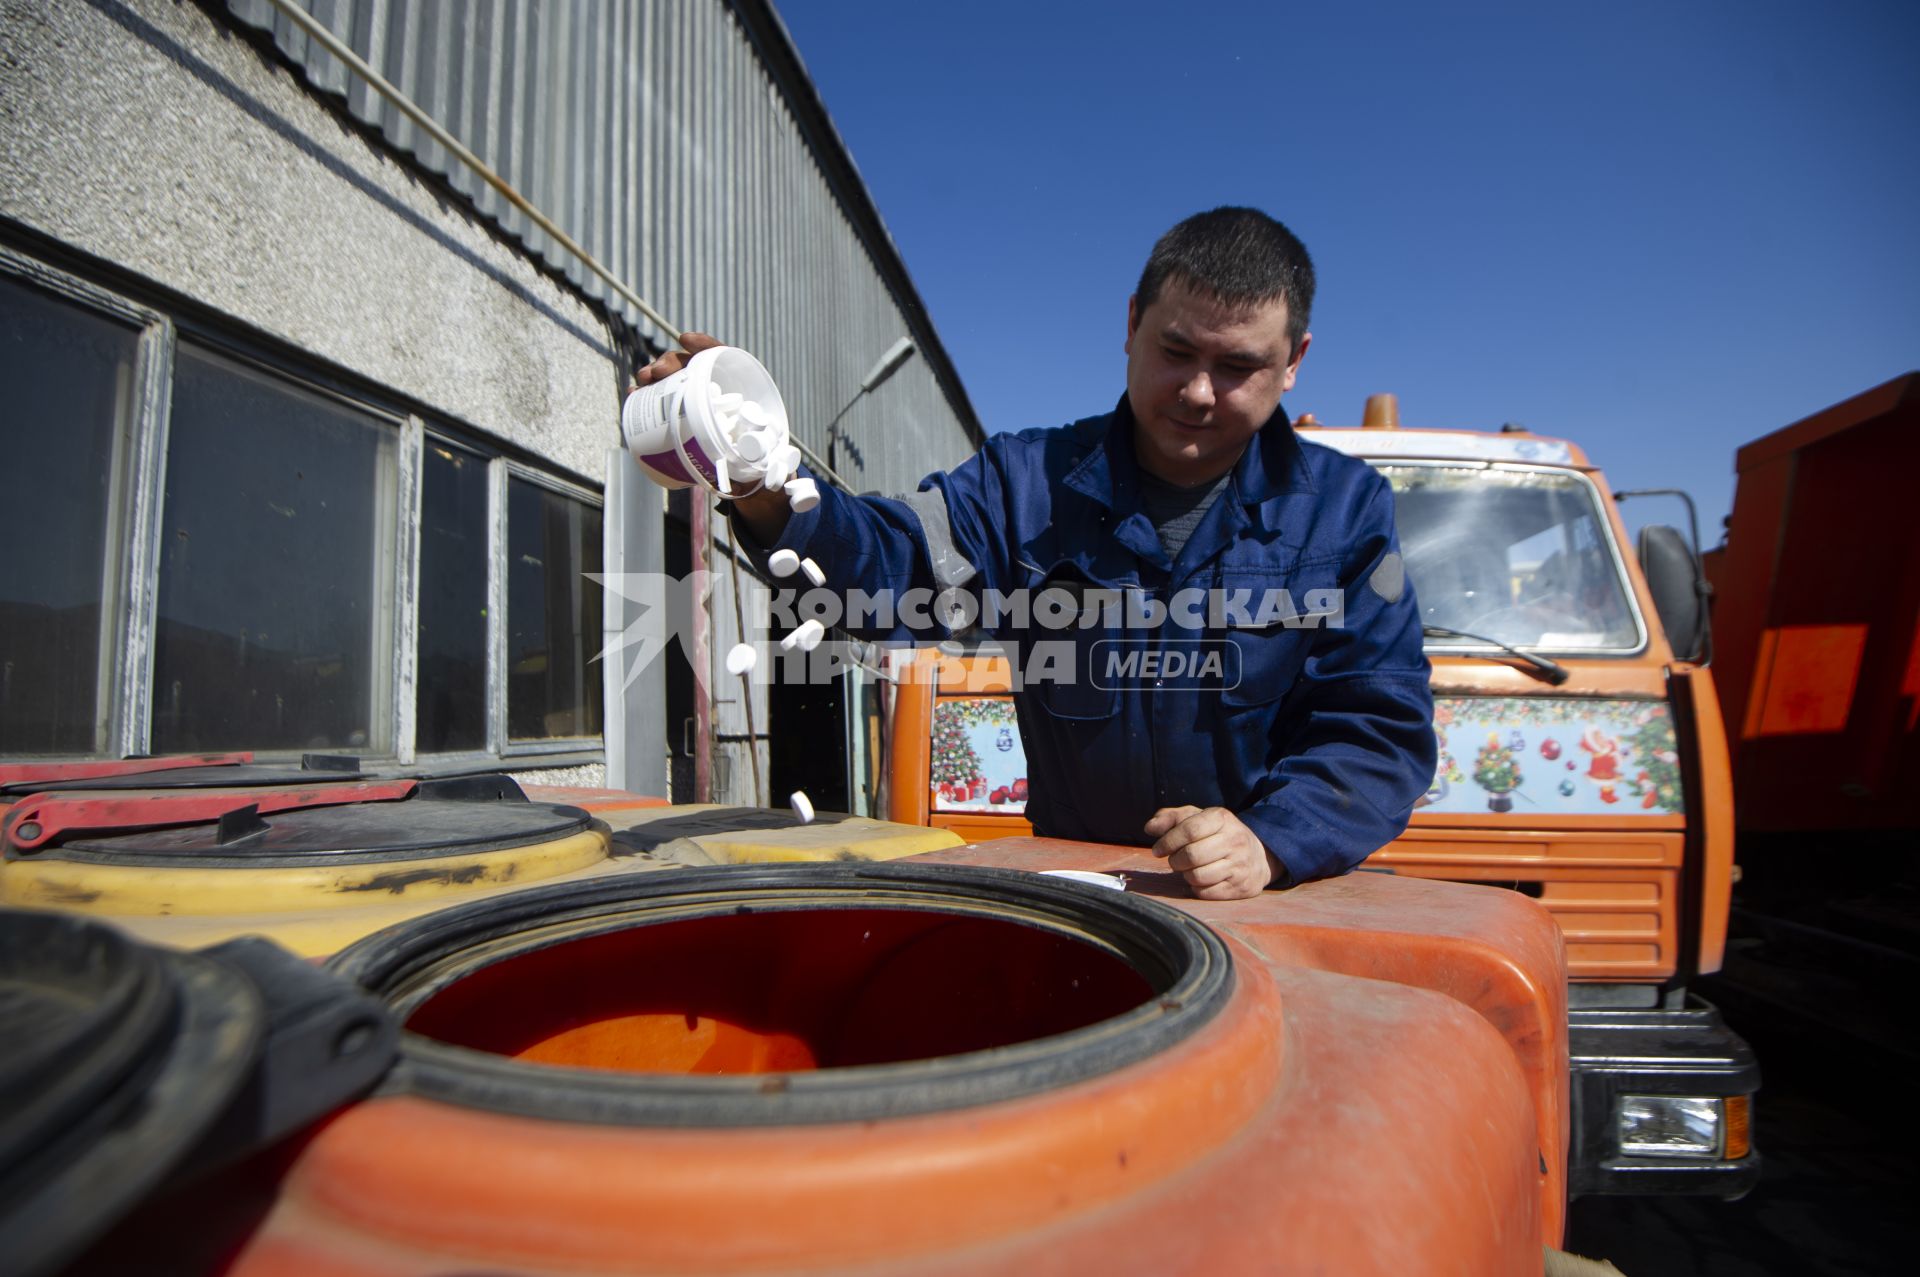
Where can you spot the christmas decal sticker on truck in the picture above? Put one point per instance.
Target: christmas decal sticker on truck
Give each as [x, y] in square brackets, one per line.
[1554, 756]
[977, 763]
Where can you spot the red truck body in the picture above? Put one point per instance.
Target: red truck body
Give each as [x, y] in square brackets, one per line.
[1817, 620]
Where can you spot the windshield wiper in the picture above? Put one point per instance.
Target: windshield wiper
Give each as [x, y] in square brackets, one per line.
[1551, 671]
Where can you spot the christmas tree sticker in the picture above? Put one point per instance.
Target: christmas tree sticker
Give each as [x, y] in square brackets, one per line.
[956, 766]
[1657, 783]
[1497, 771]
[1446, 773]
[958, 773]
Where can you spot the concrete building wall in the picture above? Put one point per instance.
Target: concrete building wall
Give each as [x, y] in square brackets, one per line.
[149, 136]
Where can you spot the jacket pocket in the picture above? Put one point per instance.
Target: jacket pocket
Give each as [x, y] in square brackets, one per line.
[1071, 627]
[1269, 659]
[1287, 614]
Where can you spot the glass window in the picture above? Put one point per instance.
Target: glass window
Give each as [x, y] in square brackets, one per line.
[553, 614]
[1519, 555]
[451, 707]
[276, 611]
[68, 374]
[274, 627]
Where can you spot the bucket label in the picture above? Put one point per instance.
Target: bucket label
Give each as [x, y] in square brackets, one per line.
[666, 422]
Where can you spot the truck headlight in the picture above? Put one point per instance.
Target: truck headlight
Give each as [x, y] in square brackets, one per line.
[1671, 1126]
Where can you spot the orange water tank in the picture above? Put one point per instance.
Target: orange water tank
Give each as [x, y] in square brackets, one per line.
[928, 1068]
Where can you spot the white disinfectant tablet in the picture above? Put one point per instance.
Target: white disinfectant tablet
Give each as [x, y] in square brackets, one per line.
[776, 478]
[1113, 882]
[802, 495]
[809, 634]
[802, 806]
[782, 464]
[742, 657]
[812, 569]
[783, 562]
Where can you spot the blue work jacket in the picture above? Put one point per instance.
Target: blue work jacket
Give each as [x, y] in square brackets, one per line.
[1313, 721]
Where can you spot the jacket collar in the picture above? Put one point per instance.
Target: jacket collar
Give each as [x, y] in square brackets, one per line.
[1272, 465]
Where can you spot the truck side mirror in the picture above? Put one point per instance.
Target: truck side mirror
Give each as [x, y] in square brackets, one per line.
[1680, 591]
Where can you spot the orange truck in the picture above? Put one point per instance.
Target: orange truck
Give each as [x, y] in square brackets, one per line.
[1582, 763]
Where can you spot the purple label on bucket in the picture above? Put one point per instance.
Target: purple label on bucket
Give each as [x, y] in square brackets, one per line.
[668, 463]
[702, 462]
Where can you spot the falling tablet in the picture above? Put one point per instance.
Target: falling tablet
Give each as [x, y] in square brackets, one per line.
[802, 806]
[806, 636]
[782, 465]
[742, 657]
[1112, 882]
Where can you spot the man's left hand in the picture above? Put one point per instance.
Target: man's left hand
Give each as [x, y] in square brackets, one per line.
[1220, 858]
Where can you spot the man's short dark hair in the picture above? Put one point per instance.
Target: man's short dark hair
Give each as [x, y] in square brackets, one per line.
[1236, 255]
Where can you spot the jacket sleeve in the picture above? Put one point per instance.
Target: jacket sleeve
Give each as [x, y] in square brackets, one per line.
[902, 554]
[1354, 736]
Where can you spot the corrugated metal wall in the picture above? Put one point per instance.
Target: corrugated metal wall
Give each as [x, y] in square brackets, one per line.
[681, 144]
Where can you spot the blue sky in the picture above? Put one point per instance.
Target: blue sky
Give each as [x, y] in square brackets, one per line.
[1660, 230]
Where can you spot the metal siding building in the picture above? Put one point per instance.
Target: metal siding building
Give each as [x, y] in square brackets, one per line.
[682, 145]
[207, 180]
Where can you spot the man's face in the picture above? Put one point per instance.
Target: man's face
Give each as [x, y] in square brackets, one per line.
[1202, 378]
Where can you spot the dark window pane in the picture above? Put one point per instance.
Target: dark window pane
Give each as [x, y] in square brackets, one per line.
[451, 711]
[553, 614]
[276, 568]
[68, 374]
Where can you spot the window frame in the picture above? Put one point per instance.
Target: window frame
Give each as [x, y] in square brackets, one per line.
[399, 508]
[133, 537]
[497, 565]
[123, 679]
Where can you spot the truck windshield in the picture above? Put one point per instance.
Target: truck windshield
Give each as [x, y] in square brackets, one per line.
[1519, 554]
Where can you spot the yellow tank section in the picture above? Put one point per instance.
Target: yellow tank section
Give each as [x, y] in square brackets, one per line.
[203, 891]
[706, 834]
[312, 910]
[318, 909]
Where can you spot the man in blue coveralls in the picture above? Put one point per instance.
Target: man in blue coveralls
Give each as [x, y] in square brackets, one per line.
[1244, 685]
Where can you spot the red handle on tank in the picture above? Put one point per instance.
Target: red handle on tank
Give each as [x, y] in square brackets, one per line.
[41, 819]
[39, 773]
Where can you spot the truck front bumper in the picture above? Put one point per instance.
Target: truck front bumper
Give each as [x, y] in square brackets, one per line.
[1625, 1061]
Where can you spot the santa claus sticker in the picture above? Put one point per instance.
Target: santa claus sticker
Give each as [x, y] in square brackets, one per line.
[1603, 767]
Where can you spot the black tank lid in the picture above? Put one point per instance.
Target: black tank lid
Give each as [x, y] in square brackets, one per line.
[414, 829]
[119, 1059]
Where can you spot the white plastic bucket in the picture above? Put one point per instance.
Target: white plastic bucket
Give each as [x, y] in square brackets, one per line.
[670, 428]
